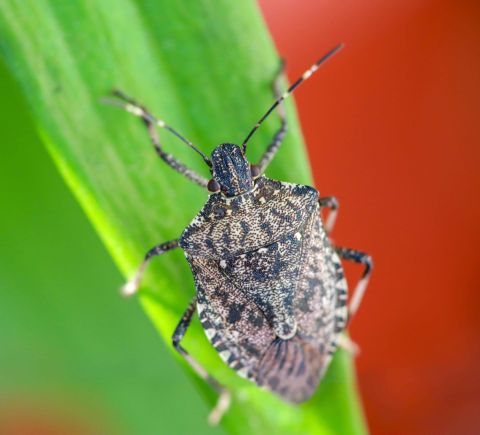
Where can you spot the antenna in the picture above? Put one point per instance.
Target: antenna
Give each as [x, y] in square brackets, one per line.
[131, 106]
[290, 90]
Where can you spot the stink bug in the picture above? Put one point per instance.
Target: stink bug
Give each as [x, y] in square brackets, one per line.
[270, 288]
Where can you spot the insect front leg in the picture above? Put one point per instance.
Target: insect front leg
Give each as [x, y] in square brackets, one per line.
[131, 286]
[359, 291]
[223, 402]
[151, 122]
[332, 203]
[280, 134]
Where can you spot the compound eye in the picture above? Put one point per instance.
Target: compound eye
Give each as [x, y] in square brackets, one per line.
[255, 171]
[213, 186]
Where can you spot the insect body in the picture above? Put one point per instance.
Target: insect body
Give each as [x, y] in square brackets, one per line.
[270, 291]
[270, 288]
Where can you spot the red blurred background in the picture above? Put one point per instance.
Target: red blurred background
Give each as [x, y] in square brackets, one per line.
[392, 130]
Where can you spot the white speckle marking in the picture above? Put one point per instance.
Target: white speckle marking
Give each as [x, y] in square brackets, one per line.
[210, 333]
[225, 355]
[243, 372]
[134, 109]
[223, 264]
[307, 74]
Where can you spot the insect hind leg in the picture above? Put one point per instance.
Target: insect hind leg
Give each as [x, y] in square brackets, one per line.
[223, 402]
[360, 288]
[347, 344]
[331, 203]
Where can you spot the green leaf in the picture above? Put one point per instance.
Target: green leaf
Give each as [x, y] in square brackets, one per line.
[205, 68]
[63, 328]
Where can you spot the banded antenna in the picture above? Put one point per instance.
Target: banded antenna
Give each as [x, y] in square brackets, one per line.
[131, 106]
[290, 90]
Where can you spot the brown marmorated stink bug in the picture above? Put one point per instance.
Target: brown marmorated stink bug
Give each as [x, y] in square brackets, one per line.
[270, 288]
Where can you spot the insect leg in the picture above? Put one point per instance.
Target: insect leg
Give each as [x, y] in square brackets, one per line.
[346, 343]
[362, 258]
[151, 122]
[224, 400]
[131, 286]
[280, 134]
[332, 203]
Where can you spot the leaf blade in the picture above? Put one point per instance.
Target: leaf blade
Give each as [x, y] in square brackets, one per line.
[214, 85]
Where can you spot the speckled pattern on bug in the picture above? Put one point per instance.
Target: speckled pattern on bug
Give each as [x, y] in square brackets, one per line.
[270, 288]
